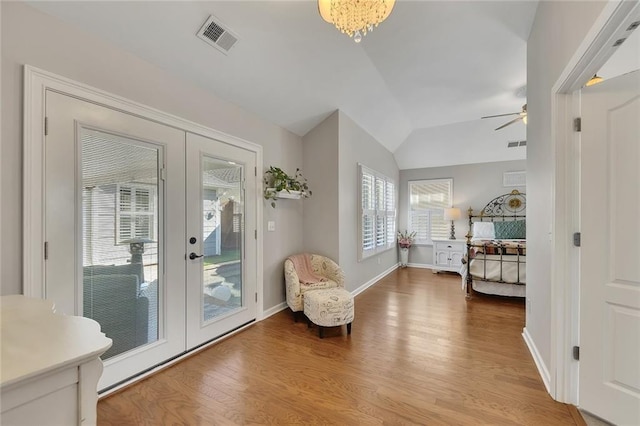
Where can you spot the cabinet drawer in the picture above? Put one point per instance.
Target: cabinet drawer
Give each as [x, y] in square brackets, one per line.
[453, 245]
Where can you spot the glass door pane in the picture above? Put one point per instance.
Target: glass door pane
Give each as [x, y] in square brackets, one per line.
[223, 226]
[120, 231]
[115, 221]
[221, 243]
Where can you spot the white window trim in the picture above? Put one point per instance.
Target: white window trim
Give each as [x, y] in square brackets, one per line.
[428, 212]
[388, 244]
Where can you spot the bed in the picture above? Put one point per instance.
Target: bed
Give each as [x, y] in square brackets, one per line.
[495, 261]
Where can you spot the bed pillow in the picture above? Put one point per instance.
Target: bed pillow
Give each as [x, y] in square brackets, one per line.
[511, 230]
[483, 230]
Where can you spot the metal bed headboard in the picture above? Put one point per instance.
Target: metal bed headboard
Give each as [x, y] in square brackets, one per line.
[511, 206]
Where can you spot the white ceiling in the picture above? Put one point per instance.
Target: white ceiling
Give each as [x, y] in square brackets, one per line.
[419, 83]
[625, 58]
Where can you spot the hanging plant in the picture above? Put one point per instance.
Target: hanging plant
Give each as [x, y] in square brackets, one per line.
[279, 184]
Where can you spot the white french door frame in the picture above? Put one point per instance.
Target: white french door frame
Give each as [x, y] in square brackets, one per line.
[36, 83]
[590, 56]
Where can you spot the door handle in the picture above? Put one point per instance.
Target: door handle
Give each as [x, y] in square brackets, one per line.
[192, 256]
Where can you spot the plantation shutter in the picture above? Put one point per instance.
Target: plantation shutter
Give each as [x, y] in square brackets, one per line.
[368, 211]
[381, 236]
[390, 216]
[378, 212]
[428, 199]
[135, 212]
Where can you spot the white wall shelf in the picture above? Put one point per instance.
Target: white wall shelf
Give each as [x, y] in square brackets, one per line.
[292, 195]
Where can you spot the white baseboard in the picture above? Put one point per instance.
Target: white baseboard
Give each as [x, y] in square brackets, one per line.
[375, 279]
[274, 310]
[420, 265]
[542, 368]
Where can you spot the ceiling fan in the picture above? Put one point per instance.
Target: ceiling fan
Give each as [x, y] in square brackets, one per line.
[522, 115]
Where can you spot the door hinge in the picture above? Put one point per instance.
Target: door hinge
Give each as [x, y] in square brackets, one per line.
[163, 173]
[255, 234]
[576, 353]
[46, 126]
[46, 250]
[256, 297]
[255, 171]
[577, 124]
[577, 239]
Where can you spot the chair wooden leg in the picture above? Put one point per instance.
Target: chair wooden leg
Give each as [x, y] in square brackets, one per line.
[297, 316]
[321, 331]
[349, 328]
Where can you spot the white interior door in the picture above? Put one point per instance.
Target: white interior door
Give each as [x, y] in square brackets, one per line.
[221, 239]
[610, 254]
[113, 184]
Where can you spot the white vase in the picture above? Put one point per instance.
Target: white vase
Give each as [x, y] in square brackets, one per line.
[404, 257]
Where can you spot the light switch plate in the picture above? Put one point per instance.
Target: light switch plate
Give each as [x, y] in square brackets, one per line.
[271, 225]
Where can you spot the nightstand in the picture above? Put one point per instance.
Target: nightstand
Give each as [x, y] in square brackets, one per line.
[448, 254]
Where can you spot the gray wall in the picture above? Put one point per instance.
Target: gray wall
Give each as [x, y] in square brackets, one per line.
[320, 160]
[558, 30]
[357, 146]
[31, 37]
[474, 185]
[332, 151]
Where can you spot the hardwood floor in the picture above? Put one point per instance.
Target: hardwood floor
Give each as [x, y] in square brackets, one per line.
[419, 353]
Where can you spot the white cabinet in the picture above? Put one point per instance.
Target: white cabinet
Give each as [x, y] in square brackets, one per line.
[448, 254]
[50, 364]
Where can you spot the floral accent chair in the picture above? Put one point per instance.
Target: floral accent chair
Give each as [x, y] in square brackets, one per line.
[320, 265]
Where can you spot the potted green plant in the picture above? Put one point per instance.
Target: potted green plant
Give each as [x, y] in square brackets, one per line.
[278, 184]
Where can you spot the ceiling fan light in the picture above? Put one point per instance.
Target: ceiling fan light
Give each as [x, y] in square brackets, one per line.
[594, 80]
[355, 17]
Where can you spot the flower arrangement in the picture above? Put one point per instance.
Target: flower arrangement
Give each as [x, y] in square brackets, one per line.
[405, 239]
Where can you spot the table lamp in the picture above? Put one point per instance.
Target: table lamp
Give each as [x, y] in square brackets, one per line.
[452, 214]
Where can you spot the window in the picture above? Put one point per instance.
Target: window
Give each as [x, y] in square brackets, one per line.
[135, 212]
[377, 212]
[427, 201]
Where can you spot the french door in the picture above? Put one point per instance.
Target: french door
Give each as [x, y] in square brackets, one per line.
[121, 192]
[221, 290]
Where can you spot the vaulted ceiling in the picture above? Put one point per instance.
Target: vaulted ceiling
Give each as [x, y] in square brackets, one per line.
[419, 83]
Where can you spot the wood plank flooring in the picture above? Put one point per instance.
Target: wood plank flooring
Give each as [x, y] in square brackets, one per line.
[419, 353]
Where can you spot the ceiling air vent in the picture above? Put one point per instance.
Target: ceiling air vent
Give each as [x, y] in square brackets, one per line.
[515, 144]
[215, 34]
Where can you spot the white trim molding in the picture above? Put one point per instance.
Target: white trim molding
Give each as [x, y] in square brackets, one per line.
[537, 358]
[592, 53]
[374, 280]
[420, 265]
[36, 84]
[274, 310]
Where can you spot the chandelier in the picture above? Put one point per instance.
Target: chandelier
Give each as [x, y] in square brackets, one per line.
[355, 17]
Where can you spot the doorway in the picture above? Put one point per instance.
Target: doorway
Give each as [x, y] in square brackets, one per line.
[617, 22]
[609, 379]
[119, 193]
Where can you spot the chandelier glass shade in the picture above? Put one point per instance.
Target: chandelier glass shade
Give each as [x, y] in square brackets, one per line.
[355, 17]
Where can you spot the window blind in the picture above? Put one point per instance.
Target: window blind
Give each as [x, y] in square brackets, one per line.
[427, 201]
